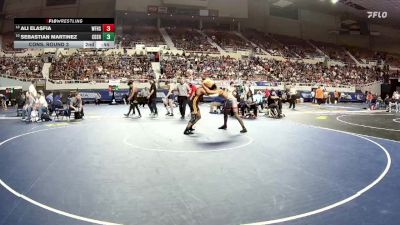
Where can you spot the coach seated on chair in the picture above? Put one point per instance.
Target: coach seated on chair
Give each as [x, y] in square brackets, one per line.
[57, 102]
[21, 104]
[76, 106]
[50, 102]
[41, 104]
[28, 107]
[274, 102]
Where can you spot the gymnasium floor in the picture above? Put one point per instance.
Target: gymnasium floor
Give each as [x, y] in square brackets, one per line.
[330, 165]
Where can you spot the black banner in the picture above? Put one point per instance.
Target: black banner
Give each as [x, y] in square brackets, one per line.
[58, 27]
[63, 21]
[179, 11]
[60, 2]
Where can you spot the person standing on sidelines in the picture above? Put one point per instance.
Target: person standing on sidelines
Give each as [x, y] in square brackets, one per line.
[32, 89]
[152, 97]
[170, 99]
[292, 97]
[183, 93]
[336, 95]
[319, 95]
[3, 100]
[313, 96]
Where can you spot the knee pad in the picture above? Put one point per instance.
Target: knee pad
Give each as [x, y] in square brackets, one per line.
[193, 118]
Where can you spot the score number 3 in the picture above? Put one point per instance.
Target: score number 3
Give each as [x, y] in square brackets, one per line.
[108, 27]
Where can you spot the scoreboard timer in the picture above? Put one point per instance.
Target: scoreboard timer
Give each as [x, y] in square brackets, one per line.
[64, 33]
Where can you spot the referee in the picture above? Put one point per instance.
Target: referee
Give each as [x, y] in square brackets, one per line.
[183, 92]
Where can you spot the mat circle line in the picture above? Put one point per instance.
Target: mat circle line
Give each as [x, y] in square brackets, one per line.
[41, 205]
[339, 118]
[250, 140]
[317, 211]
[344, 201]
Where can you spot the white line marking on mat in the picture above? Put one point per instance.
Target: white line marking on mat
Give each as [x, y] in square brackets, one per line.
[250, 140]
[344, 201]
[10, 118]
[361, 125]
[43, 206]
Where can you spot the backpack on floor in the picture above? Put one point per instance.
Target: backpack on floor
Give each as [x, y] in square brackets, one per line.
[78, 115]
[46, 117]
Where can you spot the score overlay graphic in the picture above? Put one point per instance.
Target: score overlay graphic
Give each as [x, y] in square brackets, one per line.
[64, 33]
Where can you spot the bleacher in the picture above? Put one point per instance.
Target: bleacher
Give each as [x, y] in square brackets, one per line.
[365, 55]
[264, 42]
[297, 47]
[147, 35]
[227, 40]
[189, 39]
[334, 52]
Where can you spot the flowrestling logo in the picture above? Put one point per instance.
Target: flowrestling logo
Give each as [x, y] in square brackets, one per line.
[377, 14]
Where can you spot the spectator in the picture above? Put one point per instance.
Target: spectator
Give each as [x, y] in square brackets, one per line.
[387, 101]
[25, 68]
[336, 95]
[249, 105]
[395, 102]
[258, 99]
[97, 99]
[3, 99]
[369, 100]
[327, 97]
[267, 93]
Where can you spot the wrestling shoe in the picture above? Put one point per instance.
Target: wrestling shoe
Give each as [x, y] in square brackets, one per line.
[187, 132]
